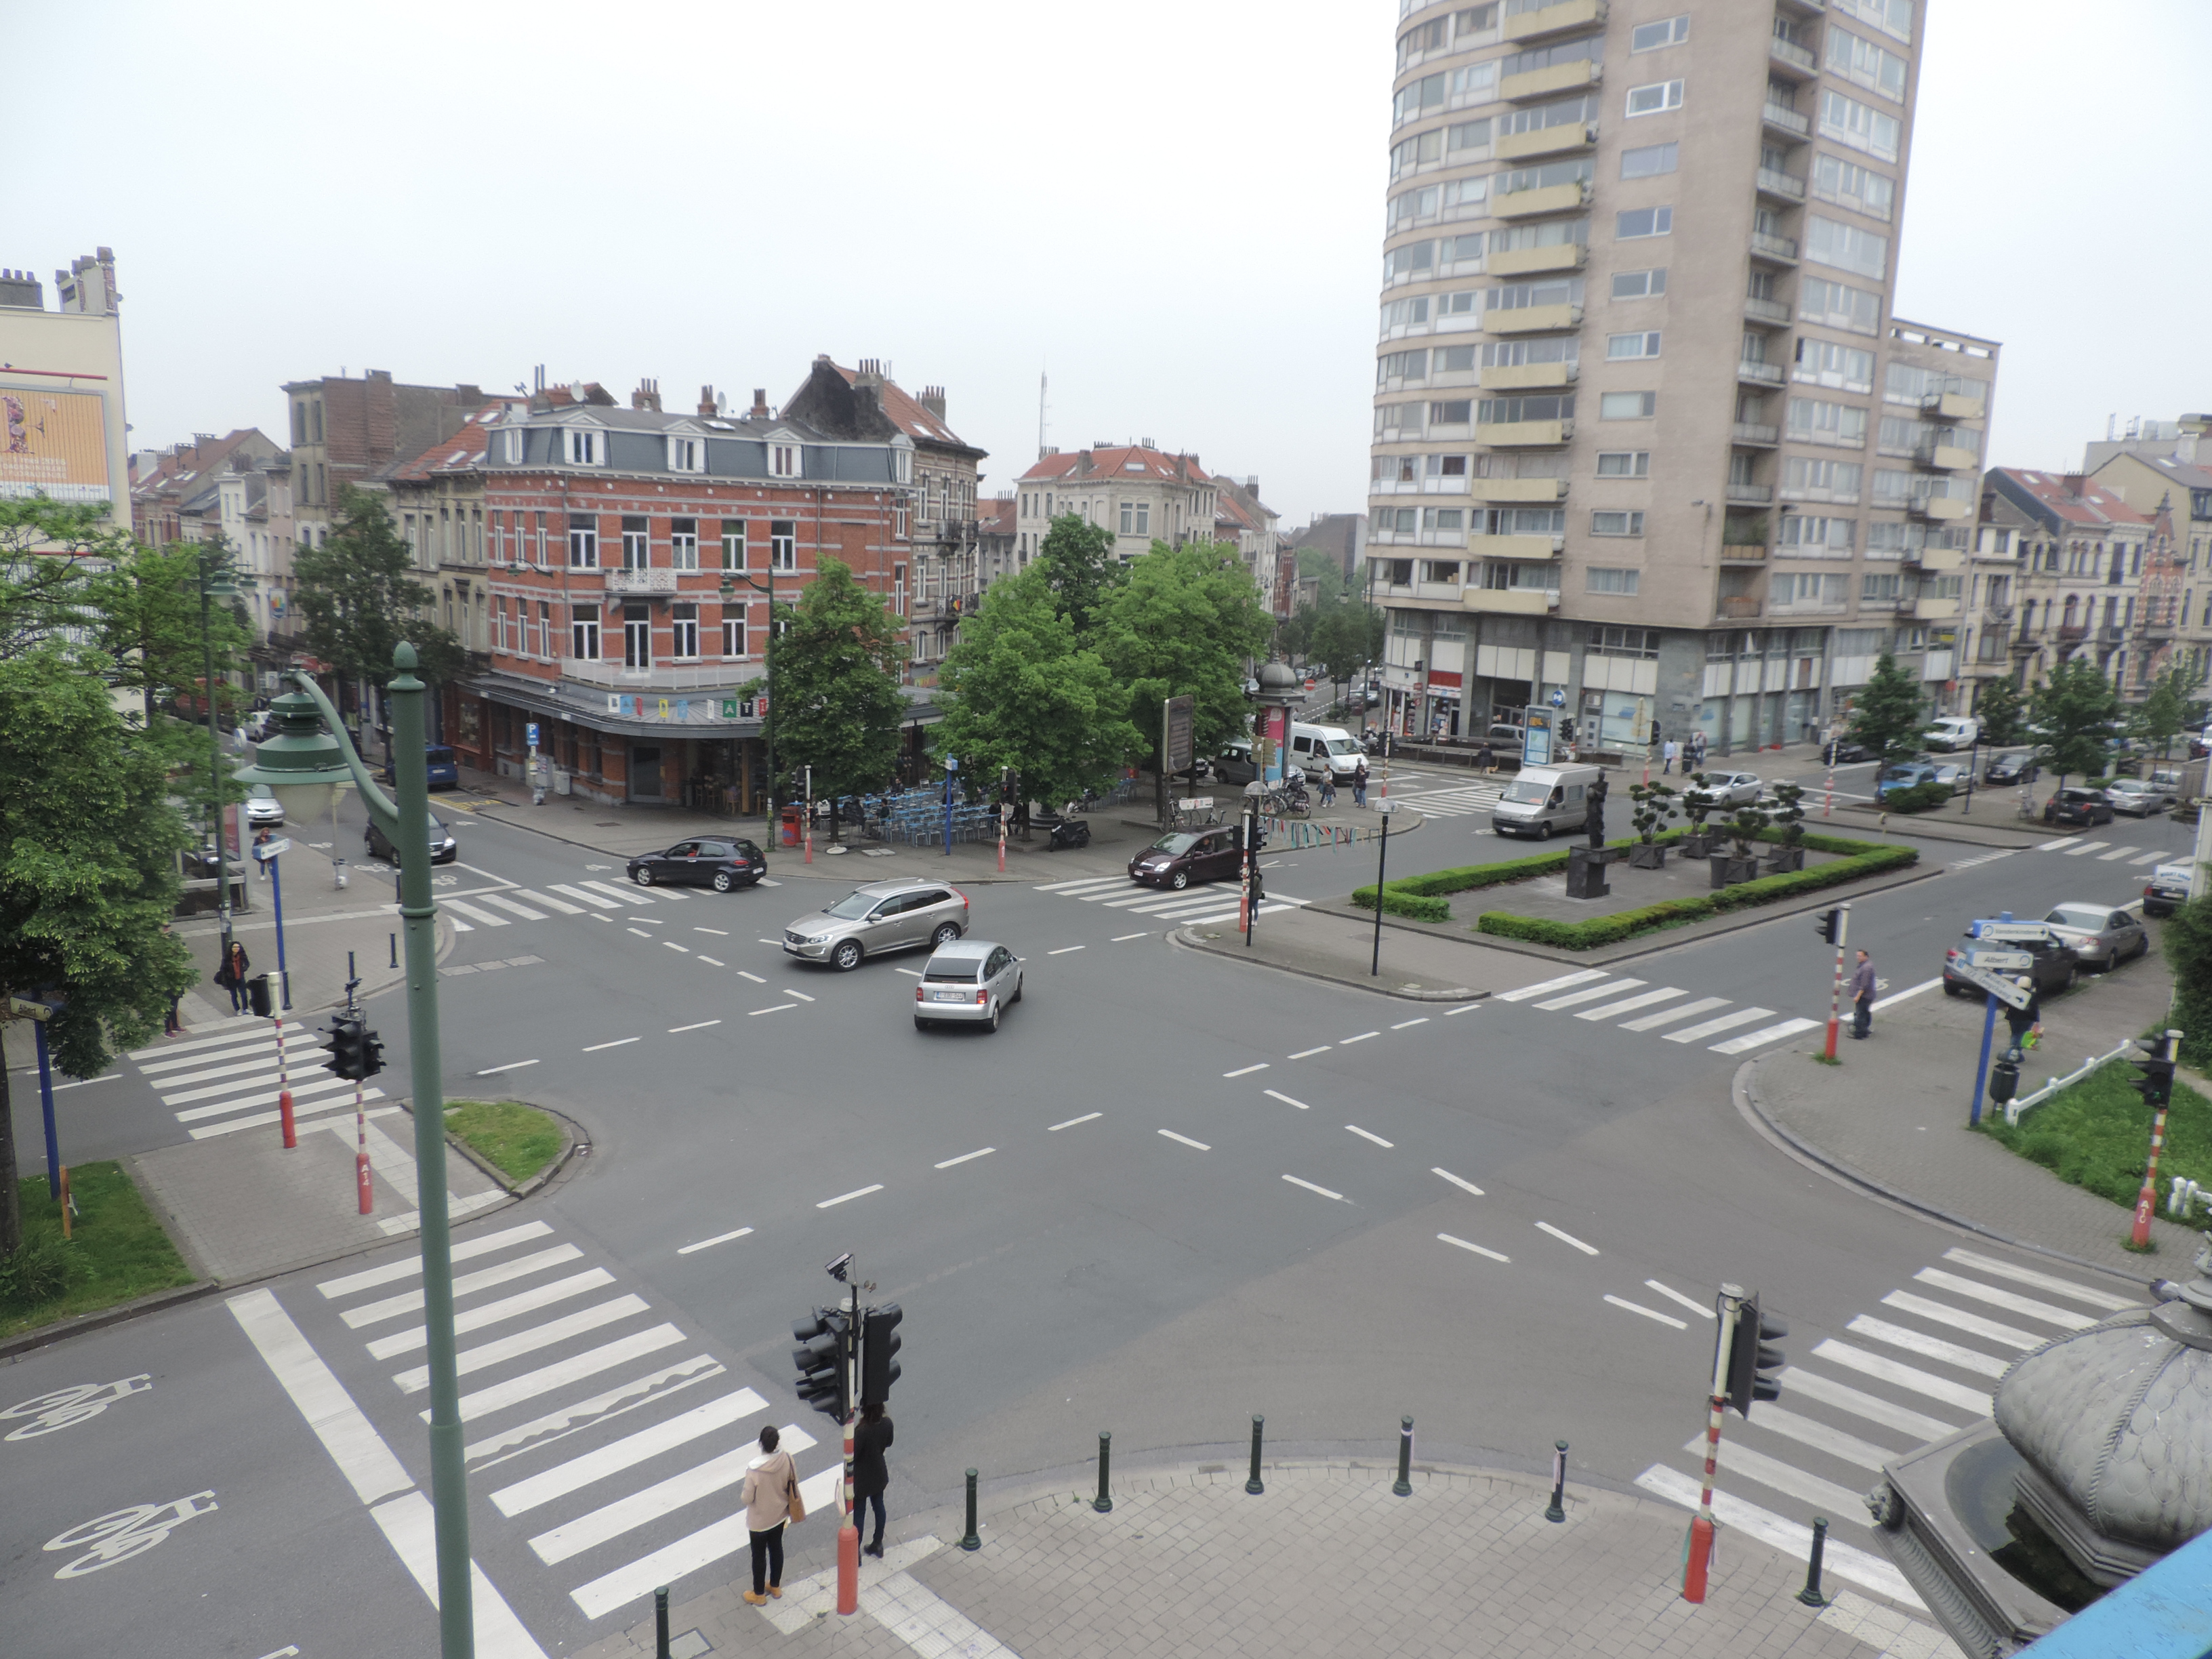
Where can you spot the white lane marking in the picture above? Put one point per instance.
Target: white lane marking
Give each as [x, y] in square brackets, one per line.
[1648, 1313]
[1457, 1181]
[1187, 1141]
[713, 962]
[482, 1278]
[633, 1510]
[154, 1068]
[2117, 852]
[1311, 1188]
[1842, 1395]
[1776, 1033]
[640, 932]
[1086, 883]
[300, 1114]
[232, 1071]
[801, 995]
[1064, 950]
[457, 925]
[1858, 1565]
[1123, 938]
[911, 973]
[755, 978]
[696, 1026]
[628, 1452]
[616, 1043]
[1629, 1005]
[565, 908]
[410, 1527]
[1560, 984]
[510, 906]
[1346, 1042]
[624, 894]
[310, 1085]
[579, 893]
[1714, 1027]
[2065, 1318]
[1462, 1243]
[1086, 1118]
[482, 918]
[719, 932]
[651, 1389]
[1268, 909]
[708, 1244]
[984, 1151]
[1771, 1472]
[857, 1192]
[1591, 993]
[1308, 1054]
[650, 921]
[2054, 845]
[517, 1344]
[393, 1271]
[1461, 1009]
[1365, 1135]
[160, 1058]
[511, 1065]
[1896, 997]
[2077, 850]
[1286, 1100]
[1904, 1376]
[1928, 1347]
[671, 945]
[2147, 858]
[590, 1363]
[1673, 1295]
[1669, 1016]
[1567, 1238]
[1990, 1265]
[1958, 1319]
[368, 1463]
[665, 1565]
[1246, 1071]
[767, 881]
[544, 1295]
[1822, 1438]
[778, 1009]
[763, 941]
[1403, 1024]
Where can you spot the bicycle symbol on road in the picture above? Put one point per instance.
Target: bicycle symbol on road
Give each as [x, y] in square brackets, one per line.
[65, 1407]
[123, 1533]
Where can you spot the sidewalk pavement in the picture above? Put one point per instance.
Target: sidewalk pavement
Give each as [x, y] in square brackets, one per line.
[1326, 1561]
[1322, 944]
[1893, 1116]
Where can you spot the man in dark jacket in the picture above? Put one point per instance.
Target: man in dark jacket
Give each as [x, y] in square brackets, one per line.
[1862, 988]
[872, 1438]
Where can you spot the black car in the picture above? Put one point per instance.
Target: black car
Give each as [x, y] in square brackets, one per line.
[444, 849]
[715, 863]
[2014, 766]
[2073, 808]
[1844, 752]
[2054, 969]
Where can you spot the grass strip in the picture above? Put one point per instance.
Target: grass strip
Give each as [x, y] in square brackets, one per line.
[2096, 1136]
[516, 1139]
[118, 1251]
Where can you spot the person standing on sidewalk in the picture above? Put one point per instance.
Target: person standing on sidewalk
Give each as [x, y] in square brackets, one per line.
[231, 976]
[1668, 753]
[771, 1501]
[871, 1440]
[1863, 996]
[1359, 784]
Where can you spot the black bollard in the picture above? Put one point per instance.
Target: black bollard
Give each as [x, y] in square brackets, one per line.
[1810, 1595]
[971, 1541]
[660, 1623]
[1253, 1485]
[395, 949]
[1559, 1509]
[1104, 1503]
[1404, 1486]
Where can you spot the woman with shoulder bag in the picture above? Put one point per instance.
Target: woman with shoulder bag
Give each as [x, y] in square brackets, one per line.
[870, 1476]
[771, 1500]
[231, 976]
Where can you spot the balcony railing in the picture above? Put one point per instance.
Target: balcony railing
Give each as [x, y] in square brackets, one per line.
[1788, 185]
[2071, 632]
[1790, 52]
[641, 581]
[1755, 433]
[1765, 244]
[1743, 553]
[1735, 608]
[1789, 120]
[1760, 373]
[594, 673]
[1750, 495]
[1766, 311]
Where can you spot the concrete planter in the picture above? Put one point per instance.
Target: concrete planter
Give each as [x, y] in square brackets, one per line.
[1729, 870]
[1785, 858]
[1647, 856]
[1696, 844]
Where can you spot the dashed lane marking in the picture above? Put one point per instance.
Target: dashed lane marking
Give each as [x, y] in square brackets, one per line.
[696, 1026]
[707, 1243]
[511, 1065]
[1403, 1024]
[1064, 950]
[778, 1009]
[670, 944]
[1648, 1313]
[616, 1043]
[1346, 1042]
[1199, 1145]
[1246, 1071]
[1286, 1100]
[1324, 1191]
[1455, 1181]
[755, 978]
[713, 962]
[1568, 1238]
[1493, 1254]
[1308, 1054]
[1123, 938]
[1368, 1135]
[982, 1151]
[1087, 1117]
[857, 1192]
[801, 995]
[1673, 1295]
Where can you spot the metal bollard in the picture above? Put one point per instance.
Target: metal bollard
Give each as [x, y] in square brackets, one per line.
[1404, 1486]
[1558, 1511]
[1810, 1595]
[394, 937]
[660, 1623]
[971, 1540]
[1253, 1485]
[1104, 1503]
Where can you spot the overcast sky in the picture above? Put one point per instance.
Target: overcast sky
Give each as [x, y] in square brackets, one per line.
[1173, 209]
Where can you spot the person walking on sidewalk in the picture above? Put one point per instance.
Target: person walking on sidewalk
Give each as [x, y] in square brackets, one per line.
[1359, 784]
[1863, 996]
[872, 1438]
[1669, 752]
[231, 976]
[771, 1501]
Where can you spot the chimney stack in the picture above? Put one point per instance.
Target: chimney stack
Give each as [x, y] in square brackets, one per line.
[933, 399]
[760, 408]
[1252, 485]
[647, 395]
[707, 405]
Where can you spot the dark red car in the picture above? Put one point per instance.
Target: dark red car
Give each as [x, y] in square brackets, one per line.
[1183, 856]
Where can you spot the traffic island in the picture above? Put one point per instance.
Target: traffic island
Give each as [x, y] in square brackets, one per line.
[519, 1146]
[114, 1250]
[2096, 1135]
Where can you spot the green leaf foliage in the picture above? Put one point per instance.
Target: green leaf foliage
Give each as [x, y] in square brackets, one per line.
[2077, 711]
[1185, 621]
[360, 595]
[1077, 562]
[2187, 938]
[1889, 711]
[2002, 712]
[836, 672]
[2159, 718]
[41, 594]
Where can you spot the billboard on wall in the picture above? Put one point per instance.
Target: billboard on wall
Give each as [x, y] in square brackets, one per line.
[53, 444]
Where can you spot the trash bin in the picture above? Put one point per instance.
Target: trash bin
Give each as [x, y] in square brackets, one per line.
[257, 997]
[2004, 1077]
[790, 837]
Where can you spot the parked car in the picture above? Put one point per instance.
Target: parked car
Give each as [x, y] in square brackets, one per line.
[262, 807]
[2076, 808]
[1235, 764]
[444, 849]
[971, 981]
[1953, 731]
[2102, 937]
[438, 762]
[2139, 797]
[1183, 856]
[1845, 752]
[2012, 766]
[877, 919]
[1906, 775]
[1730, 790]
[1506, 740]
[2053, 970]
[2168, 889]
[715, 863]
[1949, 773]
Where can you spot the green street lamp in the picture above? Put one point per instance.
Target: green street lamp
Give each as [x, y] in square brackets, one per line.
[215, 583]
[730, 580]
[303, 766]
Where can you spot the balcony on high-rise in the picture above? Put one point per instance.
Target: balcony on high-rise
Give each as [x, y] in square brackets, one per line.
[1532, 320]
[1772, 313]
[1782, 118]
[1946, 458]
[1752, 372]
[1787, 57]
[1777, 250]
[1526, 261]
[1545, 198]
[1532, 19]
[1511, 601]
[1755, 434]
[1524, 434]
[1953, 406]
[1750, 495]
[1523, 377]
[1520, 490]
[1551, 78]
[1785, 187]
[1562, 139]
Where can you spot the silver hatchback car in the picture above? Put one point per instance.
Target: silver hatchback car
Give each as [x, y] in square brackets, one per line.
[877, 919]
[971, 981]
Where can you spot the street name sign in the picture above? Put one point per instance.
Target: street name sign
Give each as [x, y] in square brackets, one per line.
[267, 850]
[2000, 961]
[1996, 933]
[1995, 984]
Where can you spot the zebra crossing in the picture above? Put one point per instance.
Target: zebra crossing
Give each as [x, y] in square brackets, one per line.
[609, 1439]
[1462, 802]
[2075, 847]
[218, 1085]
[1617, 996]
[1852, 1404]
[504, 908]
[1194, 905]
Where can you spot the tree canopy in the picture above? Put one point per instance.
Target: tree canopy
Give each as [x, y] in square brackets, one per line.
[360, 595]
[2076, 711]
[1078, 562]
[836, 677]
[1889, 711]
[2002, 712]
[1186, 620]
[2159, 718]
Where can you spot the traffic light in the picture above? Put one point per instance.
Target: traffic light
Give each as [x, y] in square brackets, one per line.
[879, 1345]
[1656, 739]
[372, 1053]
[825, 1339]
[2155, 1086]
[1830, 925]
[343, 1052]
[1752, 1365]
[1256, 834]
[1567, 732]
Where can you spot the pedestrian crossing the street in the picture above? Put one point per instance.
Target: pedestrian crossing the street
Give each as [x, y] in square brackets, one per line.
[1920, 1367]
[1192, 906]
[613, 1445]
[1721, 1019]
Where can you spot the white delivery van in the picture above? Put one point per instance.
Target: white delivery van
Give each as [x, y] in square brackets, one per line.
[1543, 799]
[1316, 748]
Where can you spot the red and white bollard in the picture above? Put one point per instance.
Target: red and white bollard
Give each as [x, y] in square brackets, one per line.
[361, 1154]
[284, 1091]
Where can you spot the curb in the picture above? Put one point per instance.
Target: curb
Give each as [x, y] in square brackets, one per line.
[1925, 827]
[84, 1324]
[580, 1145]
[1183, 939]
[1744, 1087]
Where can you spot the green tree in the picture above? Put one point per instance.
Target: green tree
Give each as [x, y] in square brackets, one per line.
[2002, 712]
[1294, 635]
[1348, 635]
[837, 685]
[87, 874]
[2163, 713]
[147, 603]
[1186, 620]
[2076, 711]
[1889, 711]
[2187, 939]
[49, 553]
[1076, 558]
[1019, 692]
[361, 596]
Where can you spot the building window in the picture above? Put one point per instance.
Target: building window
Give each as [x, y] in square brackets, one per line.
[1650, 37]
[584, 447]
[1615, 523]
[1627, 405]
[583, 547]
[902, 526]
[1824, 362]
[1618, 346]
[1810, 535]
[1866, 65]
[733, 631]
[584, 632]
[684, 626]
[637, 636]
[902, 466]
[1858, 309]
[636, 544]
[1847, 247]
[1886, 587]
[1862, 127]
[510, 445]
[783, 544]
[1136, 518]
[1649, 161]
[1624, 463]
[1639, 284]
[1813, 420]
[1643, 222]
[783, 461]
[1622, 582]
[1651, 100]
[687, 455]
[683, 543]
[315, 412]
[899, 589]
[1848, 185]
[733, 544]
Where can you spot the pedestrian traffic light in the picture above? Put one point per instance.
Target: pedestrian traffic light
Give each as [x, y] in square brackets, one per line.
[372, 1053]
[1656, 739]
[2155, 1086]
[1831, 924]
[879, 1347]
[1255, 832]
[343, 1052]
[1567, 732]
[824, 1352]
[1753, 1367]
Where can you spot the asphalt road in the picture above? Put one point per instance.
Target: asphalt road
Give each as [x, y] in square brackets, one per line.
[1168, 1193]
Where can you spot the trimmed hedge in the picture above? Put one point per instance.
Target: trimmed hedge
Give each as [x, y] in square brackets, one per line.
[1919, 799]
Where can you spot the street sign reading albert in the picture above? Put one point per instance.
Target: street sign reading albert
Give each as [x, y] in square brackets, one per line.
[2000, 961]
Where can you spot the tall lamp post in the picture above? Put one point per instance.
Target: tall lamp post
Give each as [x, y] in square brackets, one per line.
[214, 584]
[730, 580]
[302, 765]
[406, 824]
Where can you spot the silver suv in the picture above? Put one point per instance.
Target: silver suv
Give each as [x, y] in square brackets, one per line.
[882, 917]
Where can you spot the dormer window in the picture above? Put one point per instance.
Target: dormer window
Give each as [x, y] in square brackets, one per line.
[510, 445]
[585, 448]
[687, 455]
[783, 461]
[902, 466]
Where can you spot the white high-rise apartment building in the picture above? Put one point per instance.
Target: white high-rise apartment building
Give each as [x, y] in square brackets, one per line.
[1649, 444]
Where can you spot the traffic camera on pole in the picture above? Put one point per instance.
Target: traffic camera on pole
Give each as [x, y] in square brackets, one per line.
[825, 1350]
[879, 1347]
[1753, 1368]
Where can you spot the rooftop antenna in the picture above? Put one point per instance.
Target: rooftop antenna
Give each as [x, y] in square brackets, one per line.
[1041, 408]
